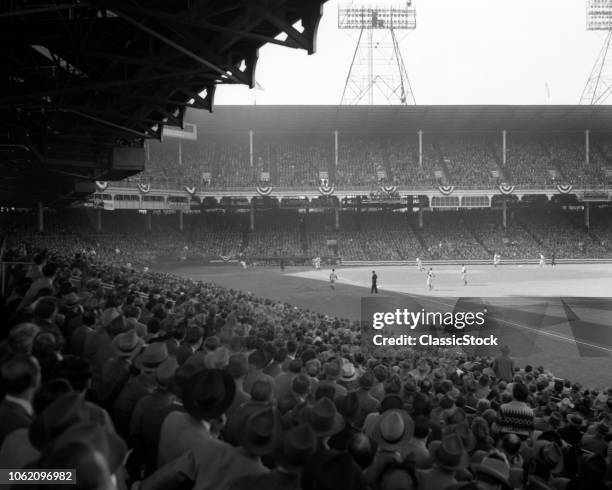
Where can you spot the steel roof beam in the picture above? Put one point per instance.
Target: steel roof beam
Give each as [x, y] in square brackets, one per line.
[177, 46]
[98, 86]
[205, 25]
[42, 10]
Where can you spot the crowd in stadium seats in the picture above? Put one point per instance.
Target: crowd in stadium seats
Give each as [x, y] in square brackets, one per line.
[567, 154]
[556, 233]
[447, 235]
[465, 235]
[467, 160]
[462, 159]
[527, 163]
[514, 242]
[150, 381]
[274, 244]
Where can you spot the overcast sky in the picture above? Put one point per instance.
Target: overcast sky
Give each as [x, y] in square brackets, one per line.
[462, 52]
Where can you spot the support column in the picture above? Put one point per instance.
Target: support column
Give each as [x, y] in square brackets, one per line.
[99, 220]
[420, 218]
[504, 147]
[504, 214]
[587, 151]
[336, 148]
[148, 220]
[251, 147]
[337, 219]
[587, 215]
[420, 133]
[180, 215]
[252, 222]
[41, 217]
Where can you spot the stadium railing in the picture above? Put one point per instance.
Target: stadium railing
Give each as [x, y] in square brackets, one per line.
[364, 188]
[474, 262]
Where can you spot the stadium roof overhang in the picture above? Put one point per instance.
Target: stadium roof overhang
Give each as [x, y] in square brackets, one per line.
[85, 83]
[407, 119]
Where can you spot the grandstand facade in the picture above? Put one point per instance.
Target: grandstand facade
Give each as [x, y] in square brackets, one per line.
[372, 183]
[475, 148]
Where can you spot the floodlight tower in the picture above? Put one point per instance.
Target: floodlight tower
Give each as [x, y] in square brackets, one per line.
[599, 83]
[377, 72]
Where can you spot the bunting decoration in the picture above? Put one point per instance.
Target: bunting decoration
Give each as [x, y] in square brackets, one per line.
[506, 189]
[144, 188]
[101, 185]
[264, 190]
[446, 190]
[565, 188]
[326, 190]
[389, 189]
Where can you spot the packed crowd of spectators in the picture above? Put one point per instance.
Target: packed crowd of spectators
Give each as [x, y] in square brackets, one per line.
[447, 236]
[527, 161]
[274, 244]
[560, 233]
[366, 235]
[150, 381]
[467, 160]
[513, 242]
[568, 155]
[463, 159]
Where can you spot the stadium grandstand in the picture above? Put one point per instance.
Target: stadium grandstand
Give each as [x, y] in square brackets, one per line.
[376, 183]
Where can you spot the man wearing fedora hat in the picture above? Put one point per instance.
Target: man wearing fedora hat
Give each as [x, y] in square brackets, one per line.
[324, 420]
[449, 457]
[283, 382]
[191, 344]
[290, 453]
[392, 432]
[258, 360]
[348, 407]
[493, 472]
[206, 396]
[116, 370]
[367, 403]
[546, 461]
[573, 430]
[238, 368]
[139, 385]
[333, 371]
[594, 440]
[149, 414]
[215, 464]
[20, 377]
[260, 397]
[69, 448]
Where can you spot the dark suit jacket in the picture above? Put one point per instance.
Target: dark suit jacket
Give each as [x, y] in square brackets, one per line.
[136, 388]
[184, 352]
[12, 417]
[213, 465]
[275, 480]
[146, 424]
[367, 405]
[115, 374]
